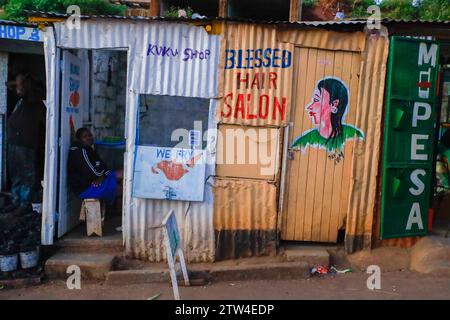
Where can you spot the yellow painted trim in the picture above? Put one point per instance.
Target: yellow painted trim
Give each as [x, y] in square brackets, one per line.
[42, 19]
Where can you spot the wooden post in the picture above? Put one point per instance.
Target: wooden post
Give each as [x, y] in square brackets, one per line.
[154, 8]
[295, 13]
[223, 8]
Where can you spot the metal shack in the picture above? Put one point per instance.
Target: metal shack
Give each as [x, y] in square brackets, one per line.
[248, 97]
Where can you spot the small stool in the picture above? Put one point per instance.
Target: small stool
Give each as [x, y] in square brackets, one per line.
[93, 212]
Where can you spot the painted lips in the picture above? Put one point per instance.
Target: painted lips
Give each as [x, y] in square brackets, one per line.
[314, 116]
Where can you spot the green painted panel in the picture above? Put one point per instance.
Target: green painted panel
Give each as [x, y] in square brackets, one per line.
[409, 137]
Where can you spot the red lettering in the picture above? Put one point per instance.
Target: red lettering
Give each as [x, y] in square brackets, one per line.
[280, 108]
[240, 107]
[229, 107]
[273, 80]
[239, 80]
[256, 81]
[263, 110]
[249, 100]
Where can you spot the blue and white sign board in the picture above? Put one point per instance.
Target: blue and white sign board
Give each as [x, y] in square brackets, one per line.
[20, 33]
[169, 173]
[173, 249]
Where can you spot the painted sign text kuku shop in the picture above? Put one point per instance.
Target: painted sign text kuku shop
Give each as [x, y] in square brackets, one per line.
[409, 137]
[256, 76]
[187, 54]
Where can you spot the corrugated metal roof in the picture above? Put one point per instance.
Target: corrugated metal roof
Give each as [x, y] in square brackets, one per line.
[330, 23]
[18, 23]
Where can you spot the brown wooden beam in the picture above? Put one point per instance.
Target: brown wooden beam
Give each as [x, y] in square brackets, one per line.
[223, 8]
[154, 8]
[295, 13]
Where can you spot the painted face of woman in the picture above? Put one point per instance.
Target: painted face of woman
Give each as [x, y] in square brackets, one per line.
[320, 109]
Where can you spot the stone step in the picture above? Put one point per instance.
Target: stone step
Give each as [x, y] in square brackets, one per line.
[431, 255]
[92, 265]
[89, 245]
[214, 272]
[310, 255]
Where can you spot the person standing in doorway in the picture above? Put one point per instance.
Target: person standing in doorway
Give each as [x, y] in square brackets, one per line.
[25, 134]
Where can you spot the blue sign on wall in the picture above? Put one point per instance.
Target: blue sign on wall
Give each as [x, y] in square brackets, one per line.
[20, 33]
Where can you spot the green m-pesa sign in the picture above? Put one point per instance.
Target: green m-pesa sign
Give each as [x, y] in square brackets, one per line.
[409, 135]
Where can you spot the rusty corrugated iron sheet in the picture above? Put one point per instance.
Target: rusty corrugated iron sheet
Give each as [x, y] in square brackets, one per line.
[323, 39]
[145, 239]
[257, 77]
[158, 74]
[248, 152]
[330, 23]
[366, 158]
[245, 218]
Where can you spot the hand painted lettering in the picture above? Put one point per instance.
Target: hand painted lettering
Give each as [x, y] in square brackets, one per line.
[258, 58]
[242, 106]
[421, 115]
[162, 51]
[191, 54]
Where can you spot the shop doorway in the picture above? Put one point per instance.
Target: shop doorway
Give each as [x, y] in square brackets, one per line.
[318, 173]
[93, 96]
[26, 59]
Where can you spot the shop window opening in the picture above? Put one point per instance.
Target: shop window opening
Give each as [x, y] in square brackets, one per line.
[171, 152]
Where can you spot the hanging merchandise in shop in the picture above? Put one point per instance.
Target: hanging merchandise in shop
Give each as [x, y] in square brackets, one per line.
[409, 137]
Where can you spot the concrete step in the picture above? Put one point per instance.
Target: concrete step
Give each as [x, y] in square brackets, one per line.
[89, 245]
[92, 266]
[431, 255]
[312, 256]
[214, 272]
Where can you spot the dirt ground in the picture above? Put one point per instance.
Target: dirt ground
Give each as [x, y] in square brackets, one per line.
[394, 285]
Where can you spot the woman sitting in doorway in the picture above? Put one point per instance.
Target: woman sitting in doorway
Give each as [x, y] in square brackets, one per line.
[89, 177]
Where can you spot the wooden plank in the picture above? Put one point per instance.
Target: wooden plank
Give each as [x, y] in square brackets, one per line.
[308, 183]
[301, 158]
[223, 8]
[354, 68]
[295, 11]
[338, 167]
[320, 165]
[288, 229]
[293, 174]
[154, 9]
[329, 171]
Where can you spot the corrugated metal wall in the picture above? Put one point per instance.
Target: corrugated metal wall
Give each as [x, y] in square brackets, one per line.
[142, 217]
[159, 74]
[239, 215]
[162, 69]
[256, 97]
[245, 218]
[260, 93]
[366, 158]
